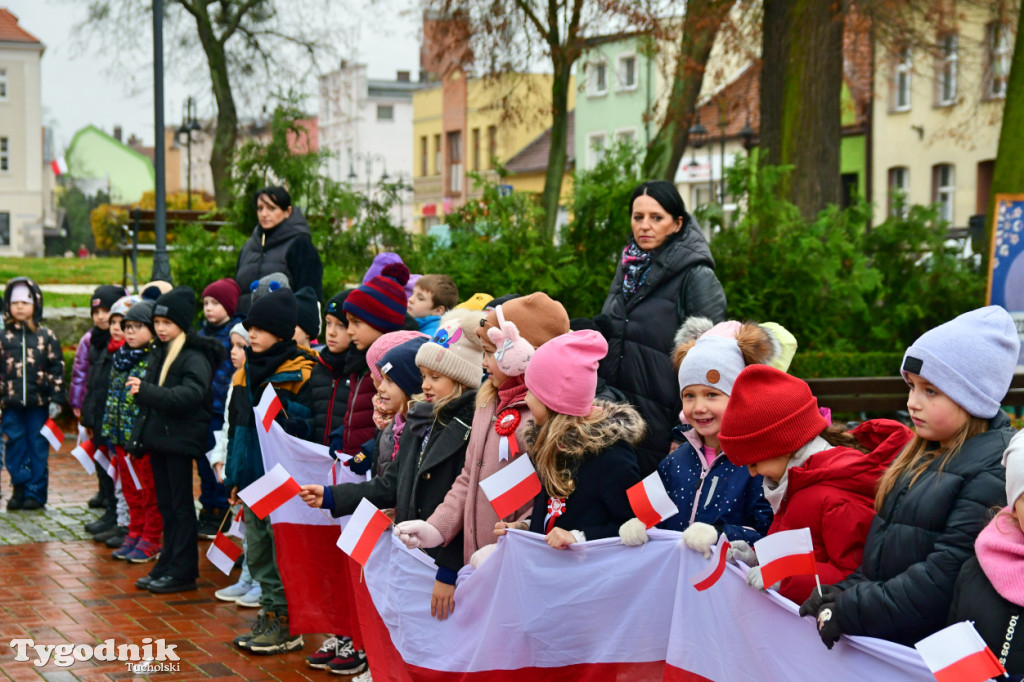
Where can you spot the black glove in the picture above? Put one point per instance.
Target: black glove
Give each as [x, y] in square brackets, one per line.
[296, 427]
[360, 464]
[814, 602]
[337, 441]
[828, 624]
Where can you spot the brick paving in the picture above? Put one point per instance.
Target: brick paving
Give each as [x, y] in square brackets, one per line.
[57, 586]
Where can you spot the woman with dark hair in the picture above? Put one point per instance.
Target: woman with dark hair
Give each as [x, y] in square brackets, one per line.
[281, 243]
[666, 274]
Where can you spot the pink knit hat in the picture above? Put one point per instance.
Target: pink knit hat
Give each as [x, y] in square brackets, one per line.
[382, 345]
[562, 374]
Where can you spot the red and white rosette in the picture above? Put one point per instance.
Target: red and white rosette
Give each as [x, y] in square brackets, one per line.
[505, 426]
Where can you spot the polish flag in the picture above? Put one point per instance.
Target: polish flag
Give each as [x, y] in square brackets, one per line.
[268, 407]
[131, 471]
[223, 553]
[714, 571]
[650, 501]
[83, 453]
[53, 435]
[237, 527]
[785, 554]
[59, 166]
[362, 532]
[512, 487]
[101, 455]
[959, 654]
[269, 491]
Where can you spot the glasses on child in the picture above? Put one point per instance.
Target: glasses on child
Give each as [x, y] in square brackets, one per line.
[133, 326]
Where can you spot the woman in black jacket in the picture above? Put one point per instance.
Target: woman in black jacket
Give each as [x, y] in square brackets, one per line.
[666, 274]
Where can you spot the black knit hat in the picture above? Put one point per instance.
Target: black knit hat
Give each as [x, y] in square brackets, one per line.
[335, 303]
[141, 312]
[308, 314]
[178, 305]
[105, 296]
[275, 313]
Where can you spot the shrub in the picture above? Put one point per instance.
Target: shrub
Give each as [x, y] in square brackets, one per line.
[816, 364]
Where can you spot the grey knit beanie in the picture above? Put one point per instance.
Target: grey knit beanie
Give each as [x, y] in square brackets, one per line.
[713, 361]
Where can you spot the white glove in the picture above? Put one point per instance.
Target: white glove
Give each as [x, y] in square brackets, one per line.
[741, 551]
[633, 533]
[55, 410]
[416, 533]
[481, 555]
[700, 537]
[754, 578]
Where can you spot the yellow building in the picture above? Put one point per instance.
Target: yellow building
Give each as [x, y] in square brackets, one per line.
[462, 125]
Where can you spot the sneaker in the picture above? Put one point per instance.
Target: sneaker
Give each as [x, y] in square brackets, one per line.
[126, 548]
[242, 641]
[275, 638]
[144, 551]
[231, 593]
[251, 599]
[365, 677]
[348, 661]
[324, 655]
[117, 538]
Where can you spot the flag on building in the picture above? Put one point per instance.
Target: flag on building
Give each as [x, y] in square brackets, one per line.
[512, 487]
[59, 166]
[650, 501]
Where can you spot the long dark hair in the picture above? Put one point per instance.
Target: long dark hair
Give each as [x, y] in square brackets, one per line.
[278, 196]
[665, 193]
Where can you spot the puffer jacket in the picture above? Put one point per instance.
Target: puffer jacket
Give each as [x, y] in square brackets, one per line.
[32, 374]
[79, 371]
[329, 385]
[359, 426]
[640, 331]
[98, 379]
[721, 494]
[121, 409]
[223, 371]
[920, 538]
[598, 504]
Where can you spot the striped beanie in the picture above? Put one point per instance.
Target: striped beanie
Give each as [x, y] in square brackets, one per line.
[381, 302]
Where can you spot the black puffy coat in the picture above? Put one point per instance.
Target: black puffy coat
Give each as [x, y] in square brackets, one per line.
[681, 283]
[31, 362]
[288, 249]
[174, 418]
[416, 482]
[976, 600]
[919, 540]
[329, 390]
[97, 380]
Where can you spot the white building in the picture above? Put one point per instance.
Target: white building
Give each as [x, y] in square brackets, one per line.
[366, 124]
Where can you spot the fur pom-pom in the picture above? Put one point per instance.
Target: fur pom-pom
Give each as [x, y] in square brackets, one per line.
[757, 344]
[396, 271]
[692, 329]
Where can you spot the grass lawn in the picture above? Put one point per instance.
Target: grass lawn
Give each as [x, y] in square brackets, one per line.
[70, 270]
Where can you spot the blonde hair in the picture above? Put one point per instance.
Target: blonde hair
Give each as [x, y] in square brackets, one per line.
[554, 461]
[441, 403]
[485, 394]
[174, 347]
[920, 453]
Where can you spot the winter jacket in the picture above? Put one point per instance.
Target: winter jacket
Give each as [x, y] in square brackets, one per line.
[121, 410]
[288, 249]
[79, 371]
[33, 364]
[223, 371]
[919, 540]
[291, 381]
[598, 504]
[175, 417]
[428, 324]
[330, 390]
[97, 381]
[359, 426]
[721, 494]
[465, 507]
[423, 472]
[833, 494]
[681, 282]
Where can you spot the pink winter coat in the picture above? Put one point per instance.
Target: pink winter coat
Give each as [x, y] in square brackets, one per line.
[465, 507]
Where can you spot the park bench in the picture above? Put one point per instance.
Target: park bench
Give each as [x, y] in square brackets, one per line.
[145, 221]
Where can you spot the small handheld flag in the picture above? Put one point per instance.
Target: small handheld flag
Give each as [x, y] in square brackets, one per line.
[223, 553]
[512, 487]
[83, 453]
[715, 569]
[362, 531]
[53, 435]
[959, 654]
[268, 407]
[785, 554]
[269, 491]
[650, 501]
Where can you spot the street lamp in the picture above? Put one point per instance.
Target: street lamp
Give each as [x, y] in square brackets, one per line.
[189, 124]
[369, 159]
[722, 122]
[748, 134]
[698, 134]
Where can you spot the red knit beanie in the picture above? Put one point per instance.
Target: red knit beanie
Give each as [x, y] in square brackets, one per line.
[769, 414]
[224, 291]
[381, 302]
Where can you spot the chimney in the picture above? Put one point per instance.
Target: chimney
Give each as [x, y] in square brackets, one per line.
[117, 133]
[403, 77]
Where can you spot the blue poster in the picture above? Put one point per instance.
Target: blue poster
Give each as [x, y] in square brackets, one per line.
[1006, 260]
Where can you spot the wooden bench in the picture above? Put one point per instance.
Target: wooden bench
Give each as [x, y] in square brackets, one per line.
[145, 221]
[886, 394]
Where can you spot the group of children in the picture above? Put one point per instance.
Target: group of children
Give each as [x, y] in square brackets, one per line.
[422, 399]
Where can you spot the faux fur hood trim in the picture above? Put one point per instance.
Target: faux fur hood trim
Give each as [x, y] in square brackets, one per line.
[620, 423]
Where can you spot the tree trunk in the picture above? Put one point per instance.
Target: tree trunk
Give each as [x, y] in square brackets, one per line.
[556, 156]
[700, 27]
[1008, 174]
[801, 81]
[227, 116]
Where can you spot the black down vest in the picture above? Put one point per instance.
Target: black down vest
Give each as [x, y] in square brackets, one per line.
[269, 251]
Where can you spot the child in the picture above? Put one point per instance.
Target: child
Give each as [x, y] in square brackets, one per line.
[432, 297]
[389, 423]
[220, 299]
[433, 445]
[307, 327]
[32, 391]
[988, 589]
[934, 499]
[330, 373]
[816, 476]
[177, 403]
[500, 404]
[133, 359]
[273, 357]
[583, 449]
[713, 494]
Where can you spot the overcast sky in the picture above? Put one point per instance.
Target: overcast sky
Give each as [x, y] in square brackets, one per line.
[79, 90]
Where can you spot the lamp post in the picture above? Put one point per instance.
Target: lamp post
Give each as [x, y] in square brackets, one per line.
[722, 122]
[369, 159]
[161, 261]
[188, 125]
[698, 135]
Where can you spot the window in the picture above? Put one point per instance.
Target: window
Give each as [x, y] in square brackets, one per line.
[5, 155]
[946, 71]
[455, 162]
[902, 66]
[3, 85]
[899, 185]
[437, 154]
[595, 148]
[424, 155]
[476, 149]
[492, 145]
[385, 112]
[943, 189]
[625, 135]
[597, 78]
[997, 63]
[627, 72]
[5, 229]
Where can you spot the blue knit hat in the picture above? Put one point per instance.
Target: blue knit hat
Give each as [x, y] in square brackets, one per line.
[399, 364]
[971, 359]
